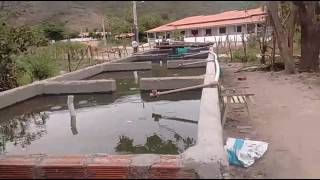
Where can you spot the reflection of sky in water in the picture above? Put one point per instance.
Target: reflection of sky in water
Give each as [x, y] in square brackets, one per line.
[98, 127]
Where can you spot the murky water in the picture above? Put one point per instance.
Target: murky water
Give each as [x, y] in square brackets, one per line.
[123, 122]
[125, 79]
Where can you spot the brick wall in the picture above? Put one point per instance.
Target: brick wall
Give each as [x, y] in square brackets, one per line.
[90, 166]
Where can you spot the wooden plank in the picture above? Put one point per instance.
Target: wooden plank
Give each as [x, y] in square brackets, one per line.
[225, 100]
[239, 94]
[231, 99]
[241, 98]
[235, 99]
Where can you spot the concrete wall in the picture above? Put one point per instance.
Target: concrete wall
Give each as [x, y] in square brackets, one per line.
[151, 57]
[127, 66]
[164, 83]
[79, 74]
[208, 156]
[99, 68]
[19, 94]
[200, 55]
[176, 63]
[73, 87]
[94, 166]
[157, 51]
[16, 95]
[68, 83]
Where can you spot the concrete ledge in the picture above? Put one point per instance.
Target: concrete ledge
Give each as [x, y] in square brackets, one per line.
[151, 57]
[96, 69]
[21, 93]
[208, 156]
[175, 63]
[164, 83]
[88, 86]
[80, 74]
[200, 55]
[157, 51]
[127, 66]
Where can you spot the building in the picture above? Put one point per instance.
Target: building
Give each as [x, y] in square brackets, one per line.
[213, 28]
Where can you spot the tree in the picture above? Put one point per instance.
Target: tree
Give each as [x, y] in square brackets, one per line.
[309, 18]
[53, 31]
[14, 41]
[283, 18]
[148, 22]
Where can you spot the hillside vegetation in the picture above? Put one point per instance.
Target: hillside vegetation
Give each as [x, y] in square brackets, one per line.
[88, 15]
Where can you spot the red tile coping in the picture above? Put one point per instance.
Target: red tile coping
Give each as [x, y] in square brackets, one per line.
[96, 166]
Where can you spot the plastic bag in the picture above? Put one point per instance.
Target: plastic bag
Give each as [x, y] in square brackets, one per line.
[244, 152]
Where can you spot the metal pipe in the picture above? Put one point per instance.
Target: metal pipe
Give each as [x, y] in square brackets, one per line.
[157, 117]
[155, 93]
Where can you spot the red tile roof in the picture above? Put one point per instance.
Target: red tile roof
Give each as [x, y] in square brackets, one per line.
[224, 18]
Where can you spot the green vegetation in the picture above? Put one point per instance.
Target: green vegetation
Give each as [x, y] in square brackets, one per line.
[154, 145]
[26, 56]
[238, 54]
[33, 67]
[53, 30]
[15, 42]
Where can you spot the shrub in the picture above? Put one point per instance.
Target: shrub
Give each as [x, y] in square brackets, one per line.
[36, 66]
[239, 55]
[252, 41]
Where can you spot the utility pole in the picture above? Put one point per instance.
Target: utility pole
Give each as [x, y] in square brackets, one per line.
[104, 34]
[135, 21]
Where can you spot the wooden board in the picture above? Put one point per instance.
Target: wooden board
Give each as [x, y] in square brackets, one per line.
[235, 99]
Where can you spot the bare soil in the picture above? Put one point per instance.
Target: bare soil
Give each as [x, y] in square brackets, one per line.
[286, 115]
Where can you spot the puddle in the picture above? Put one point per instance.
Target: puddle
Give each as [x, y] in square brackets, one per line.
[119, 123]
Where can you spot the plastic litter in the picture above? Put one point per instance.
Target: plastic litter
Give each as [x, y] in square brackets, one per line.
[243, 152]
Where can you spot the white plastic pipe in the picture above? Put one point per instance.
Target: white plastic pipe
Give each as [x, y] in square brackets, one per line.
[136, 78]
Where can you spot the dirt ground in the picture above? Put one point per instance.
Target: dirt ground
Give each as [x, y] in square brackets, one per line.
[286, 115]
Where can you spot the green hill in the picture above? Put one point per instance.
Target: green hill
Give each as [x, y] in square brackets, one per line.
[77, 15]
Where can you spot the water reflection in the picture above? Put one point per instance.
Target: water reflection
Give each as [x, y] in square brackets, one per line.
[154, 145]
[23, 130]
[45, 120]
[74, 125]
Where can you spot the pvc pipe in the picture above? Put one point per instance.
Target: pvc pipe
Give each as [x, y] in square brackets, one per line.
[186, 64]
[156, 93]
[136, 78]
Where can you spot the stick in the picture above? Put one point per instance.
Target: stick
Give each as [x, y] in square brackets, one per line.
[155, 93]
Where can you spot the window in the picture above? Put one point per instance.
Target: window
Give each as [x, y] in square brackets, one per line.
[182, 32]
[251, 28]
[239, 29]
[194, 32]
[208, 32]
[222, 30]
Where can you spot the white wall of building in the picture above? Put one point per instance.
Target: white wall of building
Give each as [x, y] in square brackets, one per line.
[231, 33]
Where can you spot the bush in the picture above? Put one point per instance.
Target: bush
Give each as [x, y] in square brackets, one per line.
[53, 31]
[239, 55]
[36, 66]
[252, 41]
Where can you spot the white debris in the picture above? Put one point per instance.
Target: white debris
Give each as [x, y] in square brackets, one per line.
[244, 152]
